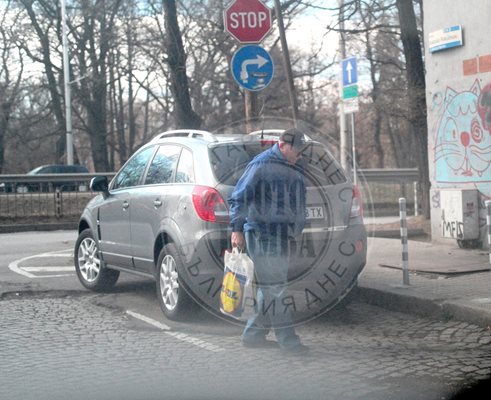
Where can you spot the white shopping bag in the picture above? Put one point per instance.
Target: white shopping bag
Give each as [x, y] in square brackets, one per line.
[237, 295]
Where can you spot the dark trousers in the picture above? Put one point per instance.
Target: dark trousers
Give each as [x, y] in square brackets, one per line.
[271, 257]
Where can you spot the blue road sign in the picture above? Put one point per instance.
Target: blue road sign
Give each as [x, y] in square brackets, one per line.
[252, 67]
[350, 72]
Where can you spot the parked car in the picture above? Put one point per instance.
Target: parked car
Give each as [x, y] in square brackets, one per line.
[46, 185]
[165, 216]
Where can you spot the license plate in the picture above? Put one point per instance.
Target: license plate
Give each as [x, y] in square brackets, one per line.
[314, 212]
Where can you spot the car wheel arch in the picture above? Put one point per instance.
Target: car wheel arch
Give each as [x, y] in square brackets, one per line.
[169, 232]
[161, 240]
[83, 225]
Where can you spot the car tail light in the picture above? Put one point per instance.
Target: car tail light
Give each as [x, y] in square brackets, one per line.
[209, 205]
[267, 142]
[356, 204]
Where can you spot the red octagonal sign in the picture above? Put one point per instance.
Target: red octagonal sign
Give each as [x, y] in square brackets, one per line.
[248, 21]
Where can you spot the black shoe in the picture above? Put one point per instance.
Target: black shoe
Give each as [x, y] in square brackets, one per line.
[259, 344]
[298, 350]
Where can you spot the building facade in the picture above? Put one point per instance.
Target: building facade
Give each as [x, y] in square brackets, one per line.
[458, 91]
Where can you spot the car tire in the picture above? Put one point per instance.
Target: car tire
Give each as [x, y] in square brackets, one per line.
[174, 299]
[350, 295]
[91, 270]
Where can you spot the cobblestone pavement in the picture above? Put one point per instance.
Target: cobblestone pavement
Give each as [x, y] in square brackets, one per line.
[74, 348]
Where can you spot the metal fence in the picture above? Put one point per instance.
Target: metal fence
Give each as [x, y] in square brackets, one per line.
[384, 187]
[55, 197]
[48, 197]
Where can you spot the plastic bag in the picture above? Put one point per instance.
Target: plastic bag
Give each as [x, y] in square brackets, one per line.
[237, 296]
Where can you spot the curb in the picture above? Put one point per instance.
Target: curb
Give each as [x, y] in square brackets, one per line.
[57, 226]
[11, 228]
[424, 307]
[395, 234]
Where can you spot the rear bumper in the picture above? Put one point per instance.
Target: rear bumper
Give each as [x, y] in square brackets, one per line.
[323, 268]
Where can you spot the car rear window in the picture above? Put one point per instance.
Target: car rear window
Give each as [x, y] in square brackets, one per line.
[229, 161]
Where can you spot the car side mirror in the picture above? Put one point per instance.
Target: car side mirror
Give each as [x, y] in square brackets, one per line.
[100, 184]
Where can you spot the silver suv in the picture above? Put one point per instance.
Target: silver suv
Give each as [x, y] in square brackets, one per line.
[165, 216]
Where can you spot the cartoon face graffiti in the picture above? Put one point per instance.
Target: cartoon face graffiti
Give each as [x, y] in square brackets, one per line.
[462, 144]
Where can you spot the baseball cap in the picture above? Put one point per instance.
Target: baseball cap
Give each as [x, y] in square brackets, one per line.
[294, 137]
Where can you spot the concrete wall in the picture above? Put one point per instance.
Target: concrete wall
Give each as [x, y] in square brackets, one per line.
[458, 84]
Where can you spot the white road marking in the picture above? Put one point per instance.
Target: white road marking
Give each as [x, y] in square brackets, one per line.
[69, 268]
[178, 335]
[26, 271]
[148, 320]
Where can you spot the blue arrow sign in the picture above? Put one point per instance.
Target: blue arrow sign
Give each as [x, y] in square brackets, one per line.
[252, 67]
[350, 72]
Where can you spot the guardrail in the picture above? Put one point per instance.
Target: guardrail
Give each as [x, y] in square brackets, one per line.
[62, 197]
[45, 197]
[48, 182]
[395, 175]
[386, 186]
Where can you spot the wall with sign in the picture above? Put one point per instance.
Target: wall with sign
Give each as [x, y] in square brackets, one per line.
[458, 84]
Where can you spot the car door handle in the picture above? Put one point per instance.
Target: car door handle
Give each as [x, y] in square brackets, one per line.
[157, 203]
[125, 205]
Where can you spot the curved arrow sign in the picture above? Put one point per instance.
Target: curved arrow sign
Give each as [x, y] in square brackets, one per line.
[252, 67]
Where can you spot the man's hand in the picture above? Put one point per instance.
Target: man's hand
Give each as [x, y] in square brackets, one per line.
[238, 240]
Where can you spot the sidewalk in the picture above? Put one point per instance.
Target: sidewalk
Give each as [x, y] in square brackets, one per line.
[445, 281]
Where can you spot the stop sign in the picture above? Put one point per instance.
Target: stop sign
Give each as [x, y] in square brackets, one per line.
[248, 21]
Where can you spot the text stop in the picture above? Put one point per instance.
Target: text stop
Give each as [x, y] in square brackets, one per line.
[247, 19]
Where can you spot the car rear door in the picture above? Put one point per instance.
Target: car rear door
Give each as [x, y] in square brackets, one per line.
[151, 205]
[114, 213]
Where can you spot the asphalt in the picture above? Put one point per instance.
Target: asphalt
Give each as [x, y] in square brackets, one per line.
[445, 281]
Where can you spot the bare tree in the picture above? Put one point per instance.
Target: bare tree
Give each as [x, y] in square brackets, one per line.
[416, 93]
[42, 15]
[176, 58]
[93, 33]
[9, 86]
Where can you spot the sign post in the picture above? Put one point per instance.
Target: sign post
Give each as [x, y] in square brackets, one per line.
[248, 22]
[350, 99]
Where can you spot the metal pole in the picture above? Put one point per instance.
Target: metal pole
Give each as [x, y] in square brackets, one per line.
[416, 205]
[68, 98]
[251, 110]
[343, 145]
[353, 147]
[488, 221]
[405, 252]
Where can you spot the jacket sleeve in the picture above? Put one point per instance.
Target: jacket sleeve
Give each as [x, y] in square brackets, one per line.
[242, 197]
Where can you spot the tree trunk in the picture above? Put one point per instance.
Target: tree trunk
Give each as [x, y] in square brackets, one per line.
[5, 108]
[416, 94]
[176, 58]
[377, 123]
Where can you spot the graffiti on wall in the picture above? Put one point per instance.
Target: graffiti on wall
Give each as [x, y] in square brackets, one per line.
[462, 141]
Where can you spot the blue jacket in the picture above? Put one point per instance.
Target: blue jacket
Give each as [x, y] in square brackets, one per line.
[269, 195]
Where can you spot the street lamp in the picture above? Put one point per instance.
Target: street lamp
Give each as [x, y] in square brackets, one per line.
[68, 96]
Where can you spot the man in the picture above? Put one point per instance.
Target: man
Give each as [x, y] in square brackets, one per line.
[267, 210]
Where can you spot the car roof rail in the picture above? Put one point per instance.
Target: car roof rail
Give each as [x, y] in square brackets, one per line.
[191, 133]
[273, 132]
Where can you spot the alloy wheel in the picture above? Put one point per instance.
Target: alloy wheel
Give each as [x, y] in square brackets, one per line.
[169, 285]
[88, 260]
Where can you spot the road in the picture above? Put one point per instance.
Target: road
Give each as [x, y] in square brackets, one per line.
[60, 341]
